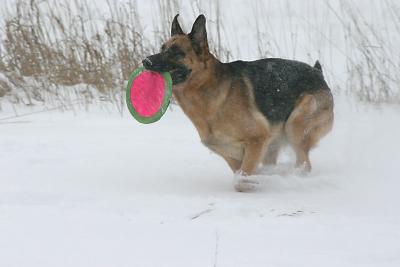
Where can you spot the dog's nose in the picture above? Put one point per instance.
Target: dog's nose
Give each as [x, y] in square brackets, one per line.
[147, 63]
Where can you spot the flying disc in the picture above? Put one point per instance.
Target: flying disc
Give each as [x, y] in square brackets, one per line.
[148, 94]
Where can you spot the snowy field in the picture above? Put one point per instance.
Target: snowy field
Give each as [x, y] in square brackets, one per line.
[98, 189]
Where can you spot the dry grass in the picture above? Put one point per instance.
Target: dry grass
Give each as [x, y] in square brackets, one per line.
[373, 59]
[50, 50]
[50, 47]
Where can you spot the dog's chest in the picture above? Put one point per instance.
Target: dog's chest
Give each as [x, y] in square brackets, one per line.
[217, 132]
[223, 143]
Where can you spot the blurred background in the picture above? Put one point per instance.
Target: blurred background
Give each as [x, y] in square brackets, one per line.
[61, 53]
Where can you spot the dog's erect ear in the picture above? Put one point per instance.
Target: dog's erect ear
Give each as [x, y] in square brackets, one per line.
[198, 35]
[175, 27]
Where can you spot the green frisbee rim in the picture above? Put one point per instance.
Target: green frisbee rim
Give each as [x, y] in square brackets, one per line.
[165, 103]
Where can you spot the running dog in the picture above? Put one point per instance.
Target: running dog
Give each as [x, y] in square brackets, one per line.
[246, 110]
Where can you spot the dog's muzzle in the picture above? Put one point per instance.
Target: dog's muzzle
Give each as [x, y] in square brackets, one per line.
[147, 63]
[158, 63]
[179, 72]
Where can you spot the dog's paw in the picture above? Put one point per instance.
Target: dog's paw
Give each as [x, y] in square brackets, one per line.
[302, 169]
[243, 183]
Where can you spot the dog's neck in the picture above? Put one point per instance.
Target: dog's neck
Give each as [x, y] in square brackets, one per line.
[194, 95]
[201, 79]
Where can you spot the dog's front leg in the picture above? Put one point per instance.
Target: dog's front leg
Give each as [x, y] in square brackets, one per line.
[234, 164]
[253, 154]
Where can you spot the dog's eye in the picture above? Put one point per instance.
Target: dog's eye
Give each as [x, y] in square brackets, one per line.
[175, 53]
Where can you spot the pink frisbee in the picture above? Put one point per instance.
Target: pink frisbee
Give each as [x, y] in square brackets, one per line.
[148, 94]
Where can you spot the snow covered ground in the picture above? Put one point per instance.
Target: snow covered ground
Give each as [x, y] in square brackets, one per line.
[98, 189]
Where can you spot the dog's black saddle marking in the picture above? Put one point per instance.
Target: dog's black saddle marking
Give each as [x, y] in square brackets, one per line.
[278, 83]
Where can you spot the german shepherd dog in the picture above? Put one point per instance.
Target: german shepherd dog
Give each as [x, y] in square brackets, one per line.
[245, 110]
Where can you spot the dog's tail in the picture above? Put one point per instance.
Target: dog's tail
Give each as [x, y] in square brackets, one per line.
[317, 66]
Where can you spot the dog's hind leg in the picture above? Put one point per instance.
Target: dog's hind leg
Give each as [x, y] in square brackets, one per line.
[311, 119]
[271, 156]
[275, 144]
